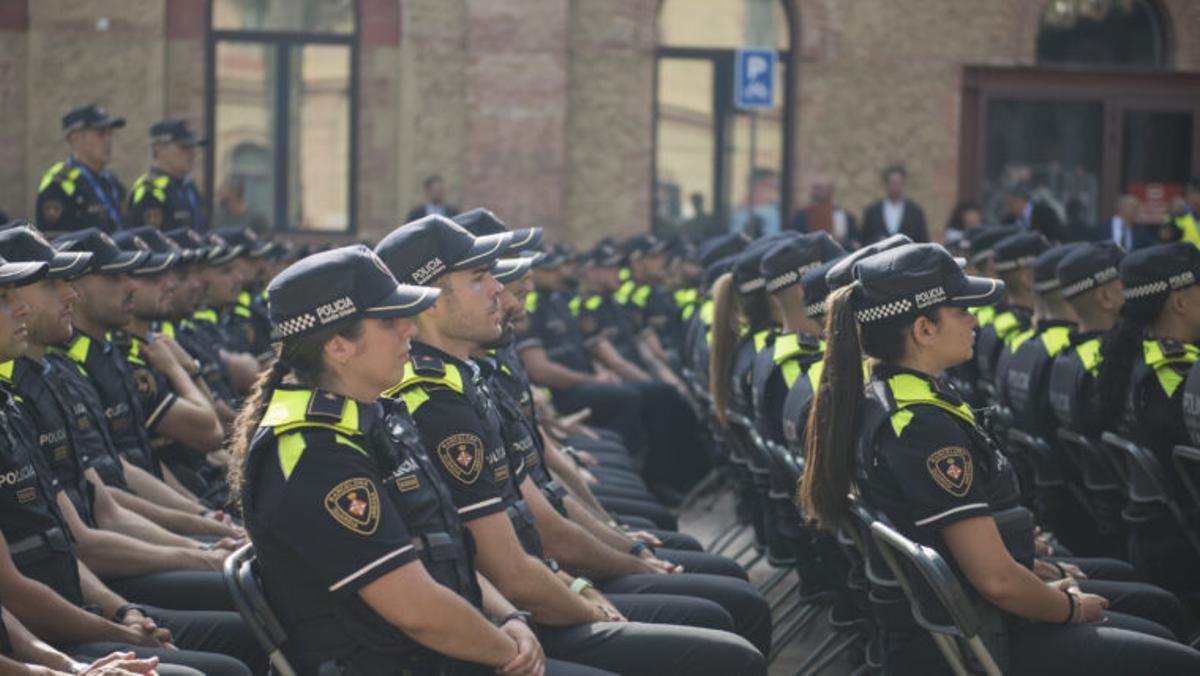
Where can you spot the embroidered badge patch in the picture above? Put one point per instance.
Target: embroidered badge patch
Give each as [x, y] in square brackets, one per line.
[587, 324]
[462, 456]
[147, 388]
[52, 211]
[951, 468]
[354, 503]
[153, 216]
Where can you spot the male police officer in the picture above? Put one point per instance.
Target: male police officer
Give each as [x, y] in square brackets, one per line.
[165, 197]
[80, 192]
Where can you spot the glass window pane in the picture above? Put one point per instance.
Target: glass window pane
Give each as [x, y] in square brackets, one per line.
[1100, 33]
[724, 24]
[302, 16]
[685, 152]
[761, 176]
[1156, 152]
[319, 138]
[244, 130]
[1052, 146]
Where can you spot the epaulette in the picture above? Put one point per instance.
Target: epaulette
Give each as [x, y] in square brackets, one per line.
[428, 365]
[292, 409]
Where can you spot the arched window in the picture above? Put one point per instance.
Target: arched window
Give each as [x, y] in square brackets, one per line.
[718, 166]
[1101, 33]
[283, 77]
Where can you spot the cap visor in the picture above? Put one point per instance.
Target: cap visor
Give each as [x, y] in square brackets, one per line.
[978, 291]
[524, 239]
[220, 256]
[155, 264]
[405, 301]
[110, 123]
[483, 252]
[20, 274]
[508, 270]
[69, 265]
[125, 261]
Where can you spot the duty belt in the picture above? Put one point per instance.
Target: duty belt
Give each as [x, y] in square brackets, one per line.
[34, 547]
[438, 546]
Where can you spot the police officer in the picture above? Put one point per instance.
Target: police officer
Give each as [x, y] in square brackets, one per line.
[641, 292]
[165, 197]
[459, 423]
[80, 192]
[1011, 260]
[39, 546]
[245, 321]
[1143, 366]
[326, 472]
[914, 451]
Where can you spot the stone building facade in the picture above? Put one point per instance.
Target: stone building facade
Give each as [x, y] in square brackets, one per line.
[540, 109]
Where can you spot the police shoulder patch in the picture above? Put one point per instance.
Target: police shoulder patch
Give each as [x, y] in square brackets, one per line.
[147, 386]
[152, 216]
[354, 503]
[51, 213]
[462, 456]
[587, 324]
[952, 470]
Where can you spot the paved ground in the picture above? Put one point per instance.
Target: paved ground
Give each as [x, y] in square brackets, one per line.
[705, 520]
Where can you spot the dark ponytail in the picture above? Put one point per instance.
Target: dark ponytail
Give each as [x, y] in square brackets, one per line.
[1118, 353]
[302, 358]
[831, 430]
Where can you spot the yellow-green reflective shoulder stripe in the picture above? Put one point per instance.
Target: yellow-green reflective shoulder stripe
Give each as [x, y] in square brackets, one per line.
[6, 370]
[413, 398]
[531, 302]
[791, 371]
[641, 295]
[1089, 355]
[450, 378]
[574, 305]
[909, 390]
[346, 442]
[241, 311]
[1056, 339]
[593, 302]
[1168, 378]
[48, 177]
[760, 339]
[291, 447]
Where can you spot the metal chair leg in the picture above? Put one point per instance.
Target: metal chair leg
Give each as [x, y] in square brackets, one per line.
[732, 532]
[828, 652]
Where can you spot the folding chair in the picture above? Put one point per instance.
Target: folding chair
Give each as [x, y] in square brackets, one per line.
[937, 600]
[1148, 482]
[1187, 461]
[1105, 481]
[241, 580]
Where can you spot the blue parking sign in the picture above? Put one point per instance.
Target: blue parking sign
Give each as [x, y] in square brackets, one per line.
[754, 81]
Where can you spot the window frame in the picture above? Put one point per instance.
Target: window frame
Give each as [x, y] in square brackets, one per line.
[720, 57]
[282, 42]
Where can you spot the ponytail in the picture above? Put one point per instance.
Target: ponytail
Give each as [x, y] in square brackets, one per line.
[832, 427]
[1118, 353]
[726, 330]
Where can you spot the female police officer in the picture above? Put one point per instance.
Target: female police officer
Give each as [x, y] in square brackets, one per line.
[368, 575]
[914, 452]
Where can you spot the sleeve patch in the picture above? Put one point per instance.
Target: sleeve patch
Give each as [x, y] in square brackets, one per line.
[462, 456]
[354, 503]
[52, 211]
[951, 469]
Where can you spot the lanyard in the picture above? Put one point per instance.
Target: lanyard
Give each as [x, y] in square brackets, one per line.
[189, 192]
[105, 198]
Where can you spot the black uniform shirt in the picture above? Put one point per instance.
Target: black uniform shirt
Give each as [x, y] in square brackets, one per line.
[602, 317]
[552, 327]
[73, 197]
[248, 326]
[166, 203]
[86, 416]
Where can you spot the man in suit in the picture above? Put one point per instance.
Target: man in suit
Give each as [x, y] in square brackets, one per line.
[894, 214]
[1026, 214]
[822, 214]
[1123, 228]
[435, 201]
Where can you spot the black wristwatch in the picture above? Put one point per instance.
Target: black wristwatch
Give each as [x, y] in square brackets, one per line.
[521, 615]
[119, 616]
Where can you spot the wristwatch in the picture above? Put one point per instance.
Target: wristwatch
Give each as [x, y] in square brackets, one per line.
[639, 547]
[521, 615]
[119, 616]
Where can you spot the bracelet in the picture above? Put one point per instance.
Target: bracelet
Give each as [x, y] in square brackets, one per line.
[1071, 607]
[639, 547]
[119, 616]
[1061, 571]
[581, 584]
[521, 615]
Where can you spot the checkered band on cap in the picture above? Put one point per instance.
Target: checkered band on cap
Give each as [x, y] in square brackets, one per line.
[752, 285]
[1174, 283]
[296, 325]
[1044, 286]
[790, 277]
[1095, 279]
[888, 310]
[1022, 262]
[816, 309]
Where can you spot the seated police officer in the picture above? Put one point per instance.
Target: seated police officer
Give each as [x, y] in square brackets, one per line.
[71, 428]
[914, 451]
[326, 476]
[1143, 365]
[652, 313]
[460, 425]
[41, 580]
[1011, 259]
[246, 322]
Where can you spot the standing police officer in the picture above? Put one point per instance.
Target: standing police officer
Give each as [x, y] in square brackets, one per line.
[165, 197]
[80, 192]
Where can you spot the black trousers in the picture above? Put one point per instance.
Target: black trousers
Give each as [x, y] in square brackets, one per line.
[615, 407]
[675, 456]
[660, 516]
[212, 642]
[180, 590]
[638, 649]
[746, 606]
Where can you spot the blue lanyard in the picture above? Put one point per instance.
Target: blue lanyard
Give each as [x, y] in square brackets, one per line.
[185, 186]
[105, 198]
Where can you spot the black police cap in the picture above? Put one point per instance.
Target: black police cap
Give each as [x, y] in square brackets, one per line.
[983, 238]
[786, 263]
[842, 273]
[175, 130]
[605, 255]
[717, 268]
[21, 242]
[221, 250]
[816, 288]
[909, 279]
[1088, 265]
[483, 222]
[248, 240]
[193, 247]
[154, 263]
[90, 116]
[1045, 278]
[508, 270]
[1158, 270]
[1018, 251]
[345, 283]
[644, 244]
[720, 247]
[747, 275]
[107, 257]
[422, 251]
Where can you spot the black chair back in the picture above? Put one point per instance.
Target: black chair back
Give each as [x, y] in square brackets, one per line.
[1148, 483]
[241, 580]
